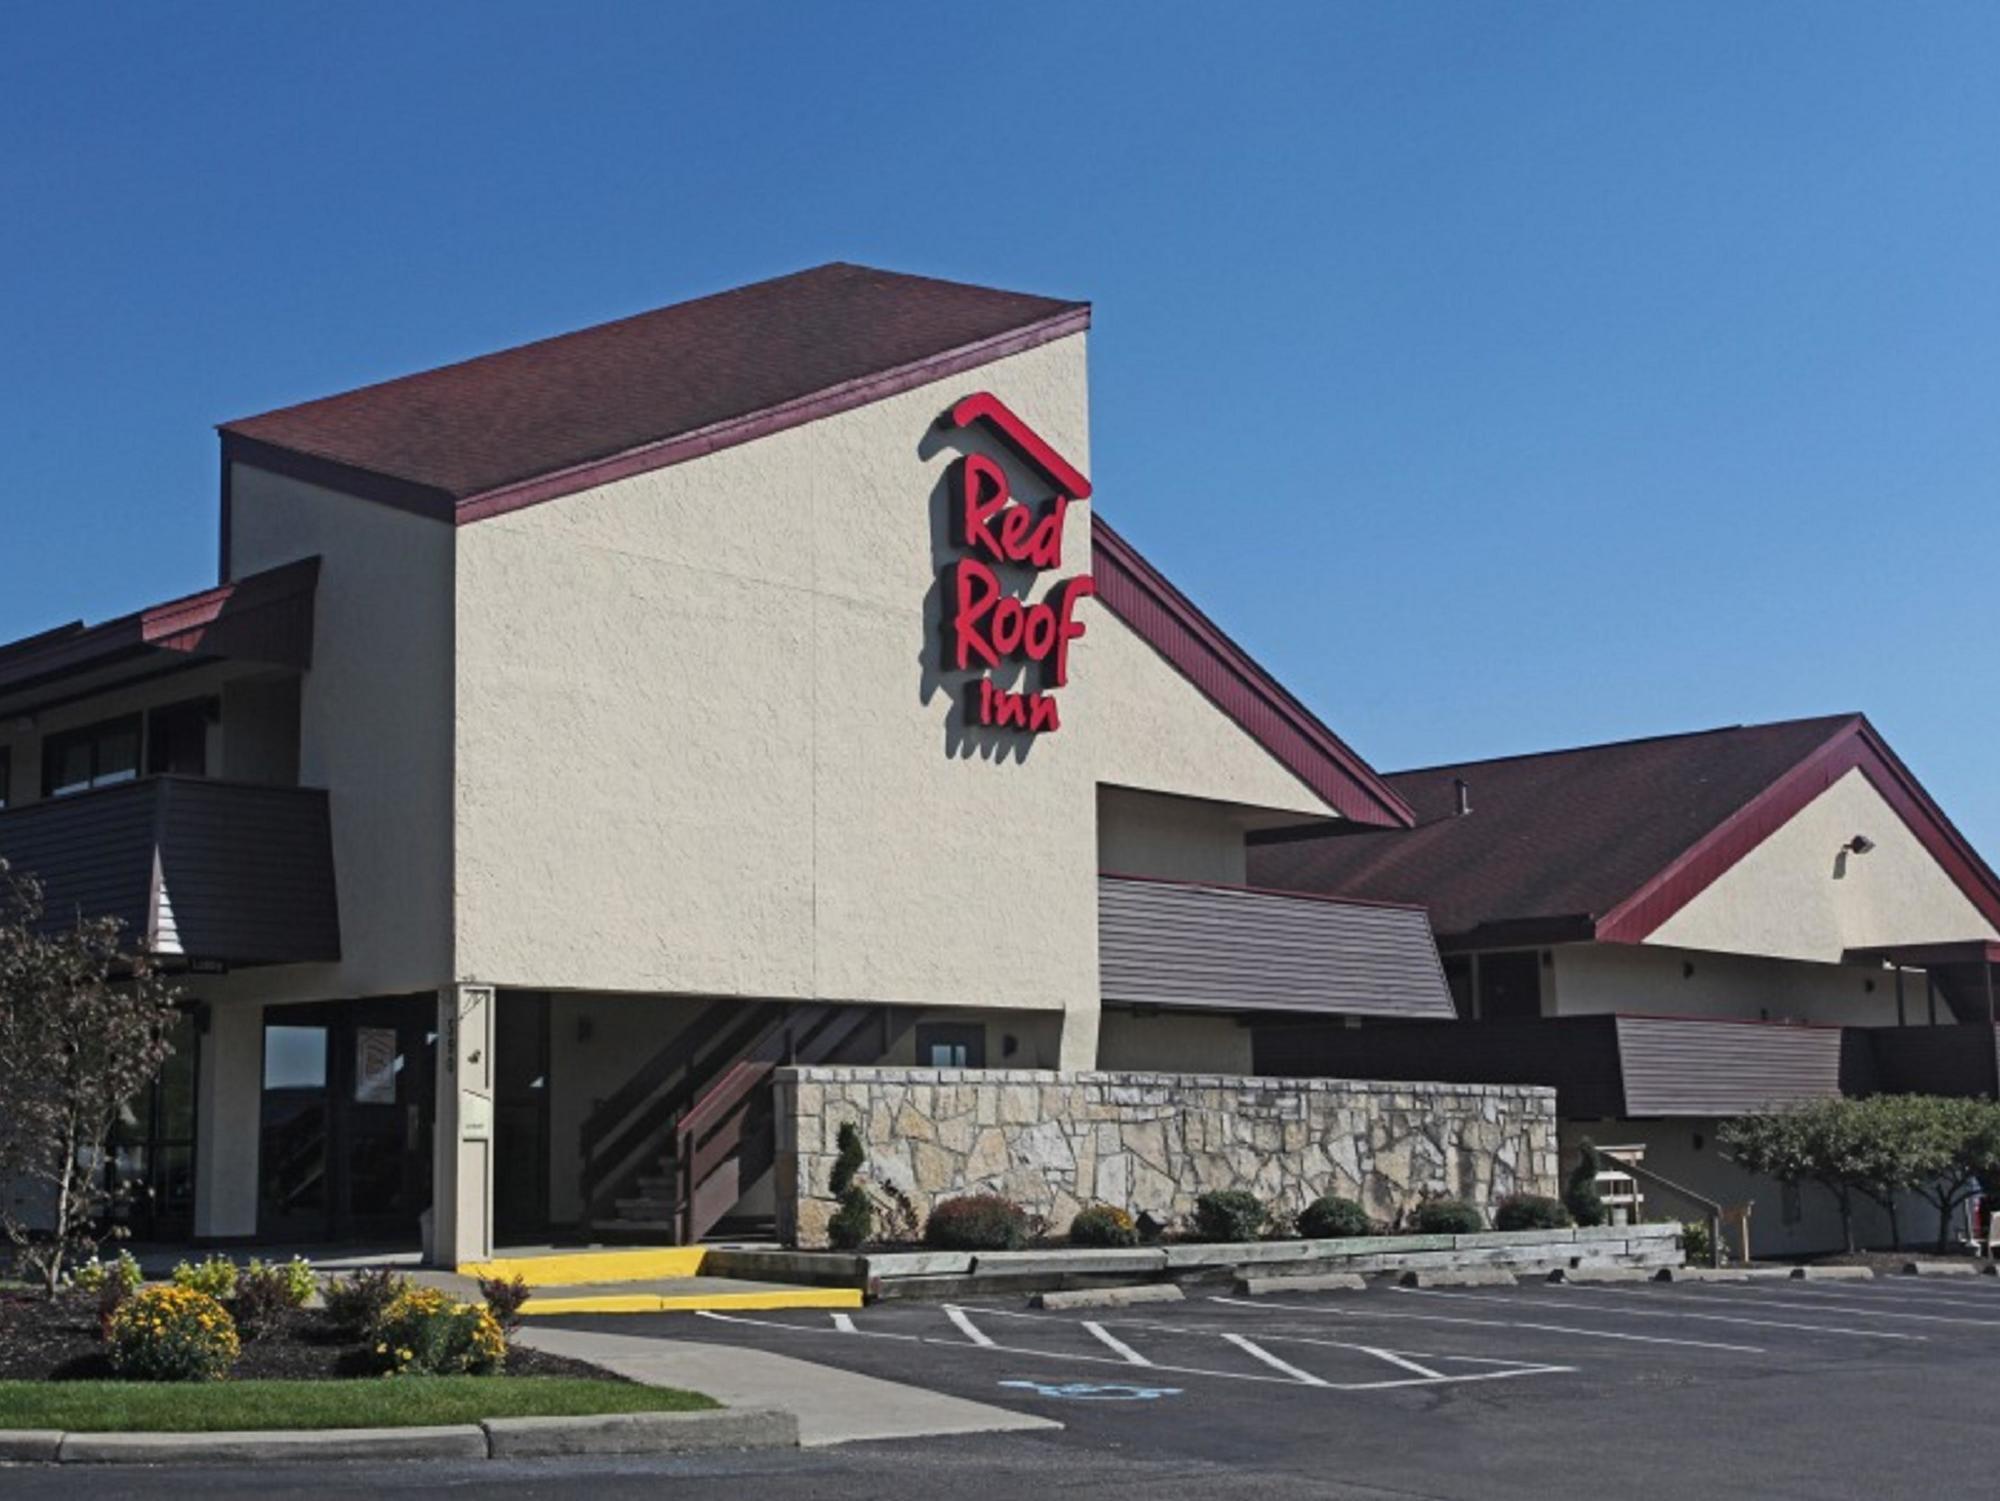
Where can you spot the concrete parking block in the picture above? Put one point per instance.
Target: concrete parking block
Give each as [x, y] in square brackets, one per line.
[1702, 1274]
[459, 1441]
[642, 1433]
[1469, 1276]
[29, 1445]
[1277, 1284]
[1833, 1273]
[1941, 1269]
[1109, 1297]
[1588, 1274]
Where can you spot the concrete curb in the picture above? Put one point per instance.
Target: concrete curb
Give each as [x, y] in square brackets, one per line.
[642, 1433]
[1471, 1276]
[1109, 1297]
[279, 1446]
[493, 1438]
[29, 1445]
[1331, 1282]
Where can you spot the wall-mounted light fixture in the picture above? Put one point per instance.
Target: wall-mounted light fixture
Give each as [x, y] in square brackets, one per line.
[1860, 844]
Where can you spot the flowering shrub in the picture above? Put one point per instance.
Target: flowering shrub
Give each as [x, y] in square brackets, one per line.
[171, 1334]
[95, 1276]
[426, 1332]
[216, 1276]
[1103, 1225]
[297, 1276]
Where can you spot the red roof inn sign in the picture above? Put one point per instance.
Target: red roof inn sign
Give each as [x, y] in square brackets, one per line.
[986, 622]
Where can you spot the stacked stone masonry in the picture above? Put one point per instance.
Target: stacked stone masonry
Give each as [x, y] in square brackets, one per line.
[1154, 1143]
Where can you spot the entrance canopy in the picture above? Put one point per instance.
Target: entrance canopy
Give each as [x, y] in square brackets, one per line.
[1963, 970]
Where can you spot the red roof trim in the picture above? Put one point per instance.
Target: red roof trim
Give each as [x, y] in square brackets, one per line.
[1855, 745]
[1164, 618]
[266, 617]
[830, 402]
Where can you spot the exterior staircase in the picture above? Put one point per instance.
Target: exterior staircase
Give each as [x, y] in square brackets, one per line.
[668, 1156]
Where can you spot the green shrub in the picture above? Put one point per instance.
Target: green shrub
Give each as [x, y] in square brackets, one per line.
[122, 1272]
[1331, 1217]
[505, 1297]
[1230, 1214]
[427, 1332]
[1446, 1217]
[215, 1276]
[853, 1223]
[1580, 1194]
[976, 1222]
[355, 1304]
[1530, 1212]
[1697, 1243]
[171, 1334]
[1103, 1225]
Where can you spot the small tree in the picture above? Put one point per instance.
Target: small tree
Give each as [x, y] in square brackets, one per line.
[1954, 1143]
[854, 1221]
[1580, 1195]
[1798, 1145]
[83, 1031]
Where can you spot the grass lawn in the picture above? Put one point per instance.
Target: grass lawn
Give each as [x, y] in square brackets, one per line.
[401, 1402]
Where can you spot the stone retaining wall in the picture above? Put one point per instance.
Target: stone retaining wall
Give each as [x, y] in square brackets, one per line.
[1155, 1142]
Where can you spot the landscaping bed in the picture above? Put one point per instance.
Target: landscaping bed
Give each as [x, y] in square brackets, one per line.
[83, 1406]
[44, 1339]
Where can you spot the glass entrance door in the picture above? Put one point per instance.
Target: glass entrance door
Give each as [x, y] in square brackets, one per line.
[347, 1118]
[294, 1152]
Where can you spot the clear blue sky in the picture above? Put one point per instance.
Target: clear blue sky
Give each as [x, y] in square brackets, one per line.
[1504, 376]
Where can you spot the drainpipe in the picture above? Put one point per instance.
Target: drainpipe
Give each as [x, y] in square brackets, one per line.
[1899, 996]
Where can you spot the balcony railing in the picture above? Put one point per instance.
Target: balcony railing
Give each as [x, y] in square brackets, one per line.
[222, 872]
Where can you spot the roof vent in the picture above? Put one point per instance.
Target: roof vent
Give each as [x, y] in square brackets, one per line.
[1462, 790]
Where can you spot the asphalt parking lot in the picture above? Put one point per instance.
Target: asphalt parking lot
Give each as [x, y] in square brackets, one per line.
[1886, 1389]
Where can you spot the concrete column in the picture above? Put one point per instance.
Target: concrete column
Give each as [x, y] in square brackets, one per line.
[462, 1175]
[1079, 1040]
[228, 1120]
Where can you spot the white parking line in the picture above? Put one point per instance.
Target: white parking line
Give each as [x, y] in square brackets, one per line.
[1671, 1313]
[1112, 1342]
[1820, 1292]
[965, 1325]
[1304, 1378]
[1623, 1336]
[1853, 1308]
[1288, 1374]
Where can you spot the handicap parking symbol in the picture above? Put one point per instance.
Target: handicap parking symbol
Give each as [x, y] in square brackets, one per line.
[1093, 1391]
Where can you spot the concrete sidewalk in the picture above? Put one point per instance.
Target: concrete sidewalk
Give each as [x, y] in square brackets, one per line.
[833, 1406]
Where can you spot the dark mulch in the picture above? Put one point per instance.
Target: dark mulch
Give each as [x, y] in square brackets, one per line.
[56, 1340]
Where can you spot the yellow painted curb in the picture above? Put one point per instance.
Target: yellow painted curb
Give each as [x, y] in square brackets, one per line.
[577, 1267]
[790, 1297]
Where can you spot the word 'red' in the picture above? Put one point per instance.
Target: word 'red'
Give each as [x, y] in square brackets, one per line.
[986, 623]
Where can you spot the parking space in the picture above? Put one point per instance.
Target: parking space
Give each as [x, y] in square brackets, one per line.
[1767, 1388]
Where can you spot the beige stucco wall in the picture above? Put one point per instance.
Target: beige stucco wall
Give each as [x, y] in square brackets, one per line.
[1797, 895]
[1144, 834]
[1591, 979]
[375, 728]
[704, 746]
[228, 1116]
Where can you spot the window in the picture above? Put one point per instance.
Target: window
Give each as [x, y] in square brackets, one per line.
[98, 755]
[1510, 986]
[6, 774]
[951, 1047]
[177, 739]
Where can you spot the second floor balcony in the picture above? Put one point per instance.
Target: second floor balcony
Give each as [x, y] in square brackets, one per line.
[211, 872]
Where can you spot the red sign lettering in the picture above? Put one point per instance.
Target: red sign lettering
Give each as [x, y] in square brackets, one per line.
[986, 622]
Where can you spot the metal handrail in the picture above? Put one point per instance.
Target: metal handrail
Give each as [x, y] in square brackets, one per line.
[1711, 1210]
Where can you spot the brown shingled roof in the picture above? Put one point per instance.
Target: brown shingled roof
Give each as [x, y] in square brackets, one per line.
[1606, 840]
[453, 435]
